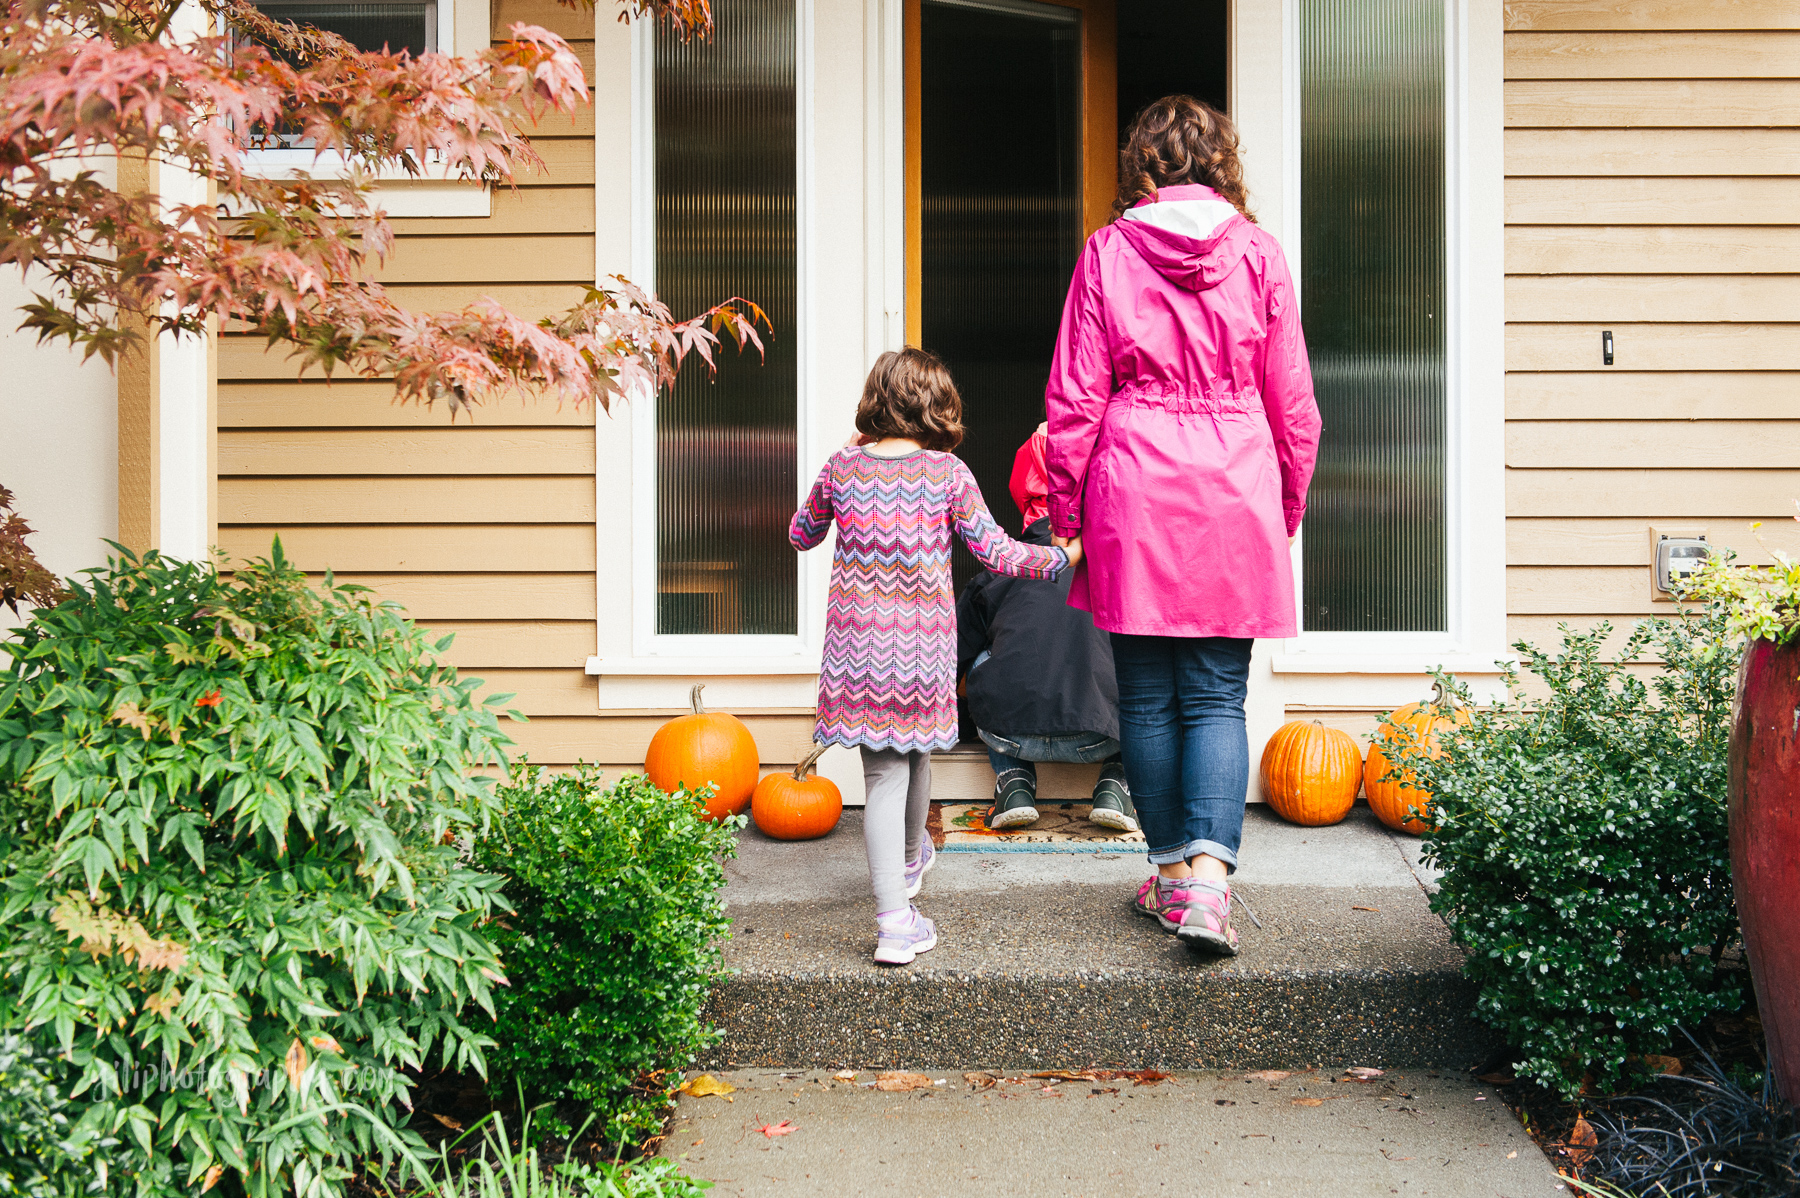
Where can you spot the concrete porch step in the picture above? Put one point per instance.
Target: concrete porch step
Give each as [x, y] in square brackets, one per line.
[1041, 962]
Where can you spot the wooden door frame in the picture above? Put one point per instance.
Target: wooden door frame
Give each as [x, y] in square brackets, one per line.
[1099, 132]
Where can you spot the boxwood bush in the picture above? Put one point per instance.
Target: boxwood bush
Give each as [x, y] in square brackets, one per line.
[1582, 831]
[227, 890]
[612, 946]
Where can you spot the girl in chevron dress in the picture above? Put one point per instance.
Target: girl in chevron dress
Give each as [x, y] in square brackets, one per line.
[887, 684]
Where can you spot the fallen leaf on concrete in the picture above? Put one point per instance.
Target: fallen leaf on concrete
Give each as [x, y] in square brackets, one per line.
[706, 1083]
[1498, 1079]
[784, 1128]
[981, 1081]
[1582, 1140]
[893, 1079]
[1105, 1090]
[1144, 1077]
[1070, 1075]
[1369, 909]
[452, 1124]
[1267, 1075]
[1049, 1092]
[845, 1075]
[1513, 1155]
[1309, 1102]
[1364, 1073]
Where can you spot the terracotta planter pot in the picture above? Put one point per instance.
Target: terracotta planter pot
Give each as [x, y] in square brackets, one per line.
[1765, 844]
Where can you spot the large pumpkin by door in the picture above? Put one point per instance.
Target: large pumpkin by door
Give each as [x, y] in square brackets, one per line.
[1415, 729]
[708, 748]
[796, 807]
[1311, 772]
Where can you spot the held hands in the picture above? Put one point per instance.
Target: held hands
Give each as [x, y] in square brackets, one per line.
[1071, 546]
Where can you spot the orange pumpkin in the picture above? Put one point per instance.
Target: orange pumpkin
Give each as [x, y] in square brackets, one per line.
[1414, 729]
[1311, 772]
[708, 748]
[795, 807]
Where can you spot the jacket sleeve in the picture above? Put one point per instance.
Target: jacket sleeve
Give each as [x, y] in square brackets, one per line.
[1075, 398]
[1287, 393]
[810, 523]
[990, 545]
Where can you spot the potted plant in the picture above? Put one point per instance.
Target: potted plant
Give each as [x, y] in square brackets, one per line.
[1764, 606]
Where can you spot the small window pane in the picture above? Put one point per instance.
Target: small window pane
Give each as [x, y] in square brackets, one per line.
[1372, 267]
[725, 455]
[396, 26]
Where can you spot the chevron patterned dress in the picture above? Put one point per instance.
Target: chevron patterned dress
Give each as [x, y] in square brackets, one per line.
[889, 676]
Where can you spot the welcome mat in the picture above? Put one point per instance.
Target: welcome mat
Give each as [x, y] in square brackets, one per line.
[1060, 828]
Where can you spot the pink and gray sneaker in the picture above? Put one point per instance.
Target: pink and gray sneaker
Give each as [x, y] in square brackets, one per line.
[916, 870]
[1199, 913]
[903, 935]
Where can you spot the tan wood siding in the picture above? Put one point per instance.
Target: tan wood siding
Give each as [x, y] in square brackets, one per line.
[1653, 163]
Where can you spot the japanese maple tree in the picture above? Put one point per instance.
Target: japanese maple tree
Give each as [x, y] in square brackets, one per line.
[87, 81]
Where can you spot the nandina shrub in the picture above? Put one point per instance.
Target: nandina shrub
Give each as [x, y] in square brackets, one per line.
[612, 945]
[227, 888]
[1582, 832]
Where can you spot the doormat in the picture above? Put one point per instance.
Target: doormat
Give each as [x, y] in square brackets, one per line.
[1060, 828]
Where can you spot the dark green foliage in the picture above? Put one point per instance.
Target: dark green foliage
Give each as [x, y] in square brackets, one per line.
[1583, 837]
[43, 1154]
[611, 950]
[227, 890]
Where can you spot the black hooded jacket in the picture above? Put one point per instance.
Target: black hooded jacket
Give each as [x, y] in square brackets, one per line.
[1051, 670]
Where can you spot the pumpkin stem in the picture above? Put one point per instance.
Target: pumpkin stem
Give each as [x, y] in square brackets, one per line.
[806, 762]
[694, 698]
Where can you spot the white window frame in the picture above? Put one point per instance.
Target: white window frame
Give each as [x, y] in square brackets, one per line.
[462, 28]
[720, 654]
[1474, 425]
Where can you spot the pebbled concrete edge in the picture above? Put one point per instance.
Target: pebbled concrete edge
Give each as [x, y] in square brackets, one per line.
[1199, 1021]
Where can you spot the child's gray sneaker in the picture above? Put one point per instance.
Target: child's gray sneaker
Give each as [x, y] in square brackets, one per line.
[898, 943]
[1112, 801]
[1015, 802]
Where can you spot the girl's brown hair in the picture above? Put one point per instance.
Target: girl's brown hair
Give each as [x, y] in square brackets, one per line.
[910, 394]
[1179, 139]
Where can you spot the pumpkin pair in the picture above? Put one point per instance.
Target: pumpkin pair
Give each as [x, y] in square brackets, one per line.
[716, 749]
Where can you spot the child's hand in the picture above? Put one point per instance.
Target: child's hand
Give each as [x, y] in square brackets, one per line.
[857, 438]
[1072, 547]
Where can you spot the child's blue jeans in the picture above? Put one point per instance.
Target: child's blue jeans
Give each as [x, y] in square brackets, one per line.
[1187, 756]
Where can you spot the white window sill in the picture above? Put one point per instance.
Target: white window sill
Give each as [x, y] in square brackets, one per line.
[431, 192]
[701, 667]
[1388, 663]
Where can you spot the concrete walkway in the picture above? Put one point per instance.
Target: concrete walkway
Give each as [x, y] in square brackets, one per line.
[1419, 1134]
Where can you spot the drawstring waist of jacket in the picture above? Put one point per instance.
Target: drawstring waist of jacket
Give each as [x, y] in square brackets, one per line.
[1178, 402]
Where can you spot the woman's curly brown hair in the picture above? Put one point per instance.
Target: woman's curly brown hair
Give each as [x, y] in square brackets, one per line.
[1178, 140]
[910, 394]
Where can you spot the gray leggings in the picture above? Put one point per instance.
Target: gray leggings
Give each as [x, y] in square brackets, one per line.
[898, 792]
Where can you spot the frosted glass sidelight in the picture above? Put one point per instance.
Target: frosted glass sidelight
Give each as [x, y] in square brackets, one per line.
[725, 454]
[1000, 219]
[1372, 270]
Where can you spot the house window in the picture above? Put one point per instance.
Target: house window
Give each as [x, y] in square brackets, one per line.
[725, 224]
[1373, 294]
[409, 25]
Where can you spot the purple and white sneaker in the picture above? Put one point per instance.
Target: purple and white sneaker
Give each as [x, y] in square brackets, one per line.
[901, 938]
[916, 870]
[1199, 913]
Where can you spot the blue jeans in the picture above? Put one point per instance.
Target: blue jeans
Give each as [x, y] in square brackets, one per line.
[1187, 756]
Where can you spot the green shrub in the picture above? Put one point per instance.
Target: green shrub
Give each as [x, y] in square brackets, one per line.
[1583, 838]
[226, 887]
[612, 947]
[42, 1153]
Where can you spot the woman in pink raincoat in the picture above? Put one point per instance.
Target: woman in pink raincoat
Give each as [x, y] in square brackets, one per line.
[1182, 438]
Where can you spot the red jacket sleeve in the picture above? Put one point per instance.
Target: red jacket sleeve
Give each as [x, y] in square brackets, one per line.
[1081, 383]
[1287, 393]
[1030, 484]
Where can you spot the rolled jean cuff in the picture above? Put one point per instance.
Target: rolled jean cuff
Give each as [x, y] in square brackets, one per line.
[1192, 849]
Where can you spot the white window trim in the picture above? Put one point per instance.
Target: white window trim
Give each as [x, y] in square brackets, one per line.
[462, 28]
[1474, 426]
[656, 653]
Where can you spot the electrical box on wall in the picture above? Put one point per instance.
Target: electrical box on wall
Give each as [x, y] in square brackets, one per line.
[1674, 555]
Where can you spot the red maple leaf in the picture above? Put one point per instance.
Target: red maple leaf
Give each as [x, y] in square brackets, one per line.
[209, 700]
[784, 1128]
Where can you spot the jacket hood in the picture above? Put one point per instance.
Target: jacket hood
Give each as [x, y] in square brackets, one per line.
[1188, 234]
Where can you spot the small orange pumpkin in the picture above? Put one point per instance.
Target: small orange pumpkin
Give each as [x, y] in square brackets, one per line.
[708, 748]
[795, 807]
[1311, 773]
[1414, 730]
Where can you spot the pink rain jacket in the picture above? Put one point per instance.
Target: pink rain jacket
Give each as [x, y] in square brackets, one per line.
[1182, 423]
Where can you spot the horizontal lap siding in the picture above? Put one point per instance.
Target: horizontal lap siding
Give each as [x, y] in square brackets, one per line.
[482, 526]
[1653, 189]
